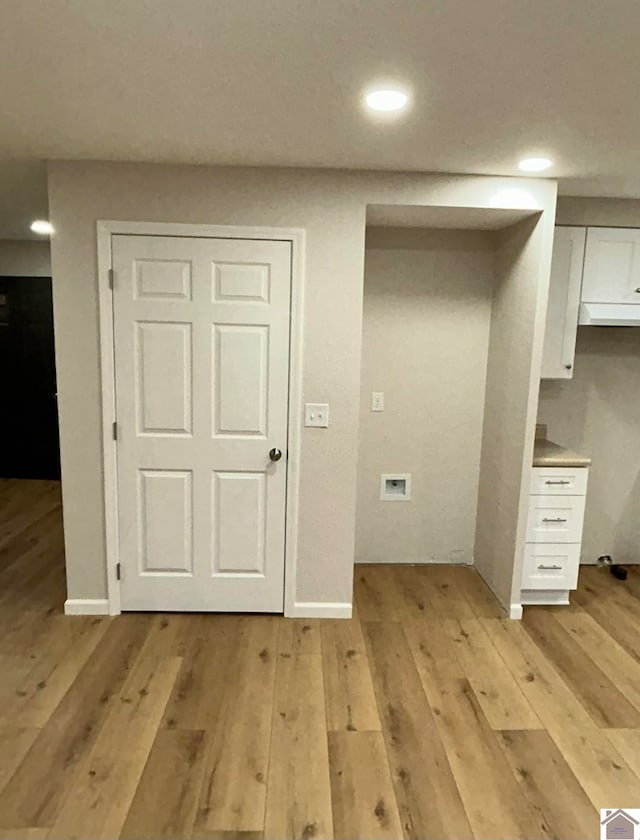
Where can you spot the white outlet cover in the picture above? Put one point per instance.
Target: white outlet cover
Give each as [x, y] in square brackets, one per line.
[377, 401]
[316, 415]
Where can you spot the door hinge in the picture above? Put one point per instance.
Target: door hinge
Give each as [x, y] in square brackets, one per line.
[115, 430]
[117, 571]
[111, 278]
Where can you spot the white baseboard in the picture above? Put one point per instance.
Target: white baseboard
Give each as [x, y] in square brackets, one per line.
[516, 612]
[412, 561]
[86, 606]
[320, 609]
[594, 562]
[545, 597]
[301, 609]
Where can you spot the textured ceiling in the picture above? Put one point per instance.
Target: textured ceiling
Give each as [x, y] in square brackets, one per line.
[279, 82]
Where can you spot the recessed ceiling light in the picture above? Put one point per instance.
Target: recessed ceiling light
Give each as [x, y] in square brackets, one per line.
[535, 164]
[40, 226]
[386, 100]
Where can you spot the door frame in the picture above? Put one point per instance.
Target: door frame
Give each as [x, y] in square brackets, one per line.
[296, 236]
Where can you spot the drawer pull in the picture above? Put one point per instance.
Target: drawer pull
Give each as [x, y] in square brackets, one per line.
[557, 519]
[561, 481]
[553, 568]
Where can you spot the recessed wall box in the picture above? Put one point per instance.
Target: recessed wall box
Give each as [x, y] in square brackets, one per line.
[395, 488]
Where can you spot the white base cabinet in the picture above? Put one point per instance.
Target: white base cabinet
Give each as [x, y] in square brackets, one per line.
[554, 534]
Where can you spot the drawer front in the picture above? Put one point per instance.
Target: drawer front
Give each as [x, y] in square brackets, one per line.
[551, 566]
[559, 481]
[555, 519]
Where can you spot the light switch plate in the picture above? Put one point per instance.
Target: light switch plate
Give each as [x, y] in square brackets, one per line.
[316, 415]
[377, 401]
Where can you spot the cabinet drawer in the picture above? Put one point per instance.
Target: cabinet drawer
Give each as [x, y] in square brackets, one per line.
[559, 481]
[551, 566]
[555, 519]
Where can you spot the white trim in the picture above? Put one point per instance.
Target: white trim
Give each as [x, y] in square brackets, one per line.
[297, 239]
[320, 609]
[107, 229]
[108, 394]
[545, 597]
[515, 612]
[86, 606]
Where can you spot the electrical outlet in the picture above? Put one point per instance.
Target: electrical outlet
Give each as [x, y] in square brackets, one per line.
[316, 415]
[377, 401]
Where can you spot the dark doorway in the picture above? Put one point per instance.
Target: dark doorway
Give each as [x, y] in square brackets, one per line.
[29, 446]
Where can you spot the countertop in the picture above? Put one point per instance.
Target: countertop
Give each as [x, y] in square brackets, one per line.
[549, 454]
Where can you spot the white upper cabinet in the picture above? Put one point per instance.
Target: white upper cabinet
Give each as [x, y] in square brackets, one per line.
[564, 303]
[611, 266]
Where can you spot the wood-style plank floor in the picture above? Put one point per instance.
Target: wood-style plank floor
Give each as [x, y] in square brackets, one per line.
[428, 715]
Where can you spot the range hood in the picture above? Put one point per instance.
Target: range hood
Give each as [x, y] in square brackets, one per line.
[609, 314]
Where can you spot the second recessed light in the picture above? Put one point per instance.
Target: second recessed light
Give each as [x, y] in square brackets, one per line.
[42, 227]
[386, 100]
[535, 164]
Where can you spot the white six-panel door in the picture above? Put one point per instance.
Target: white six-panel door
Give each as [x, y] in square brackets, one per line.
[201, 334]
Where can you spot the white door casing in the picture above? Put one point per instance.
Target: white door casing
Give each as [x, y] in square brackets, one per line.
[201, 330]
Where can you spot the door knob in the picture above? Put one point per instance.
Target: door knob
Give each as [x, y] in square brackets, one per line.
[275, 454]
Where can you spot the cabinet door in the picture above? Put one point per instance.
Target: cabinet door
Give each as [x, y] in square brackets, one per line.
[612, 266]
[564, 303]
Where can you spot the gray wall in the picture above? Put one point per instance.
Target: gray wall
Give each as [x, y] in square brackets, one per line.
[25, 258]
[518, 310]
[425, 337]
[331, 206]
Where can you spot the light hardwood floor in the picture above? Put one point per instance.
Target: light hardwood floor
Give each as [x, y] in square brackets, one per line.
[428, 715]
